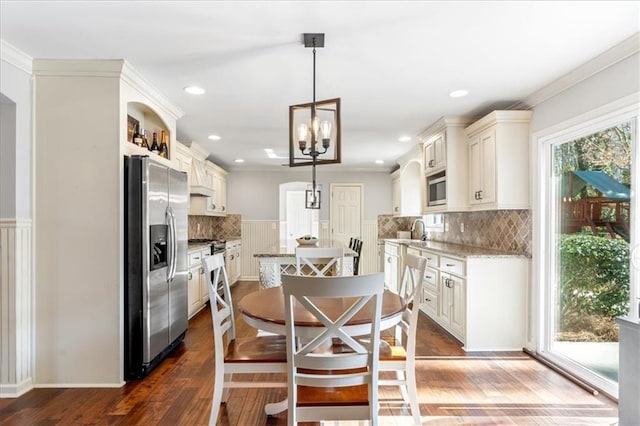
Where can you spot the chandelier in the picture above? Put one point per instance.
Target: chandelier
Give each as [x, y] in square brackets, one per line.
[314, 130]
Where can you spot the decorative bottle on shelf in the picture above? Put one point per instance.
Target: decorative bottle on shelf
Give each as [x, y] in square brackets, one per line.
[164, 149]
[154, 145]
[145, 140]
[137, 136]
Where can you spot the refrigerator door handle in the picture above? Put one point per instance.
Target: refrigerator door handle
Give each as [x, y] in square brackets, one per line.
[175, 245]
[172, 246]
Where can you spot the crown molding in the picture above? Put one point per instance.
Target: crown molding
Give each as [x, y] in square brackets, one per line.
[617, 53]
[16, 57]
[133, 77]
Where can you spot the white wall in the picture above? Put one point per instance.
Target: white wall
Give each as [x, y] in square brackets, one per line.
[15, 174]
[255, 195]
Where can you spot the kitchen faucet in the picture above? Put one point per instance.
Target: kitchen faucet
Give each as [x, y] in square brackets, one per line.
[413, 228]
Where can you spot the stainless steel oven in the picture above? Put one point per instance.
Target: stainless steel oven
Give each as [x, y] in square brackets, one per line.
[437, 190]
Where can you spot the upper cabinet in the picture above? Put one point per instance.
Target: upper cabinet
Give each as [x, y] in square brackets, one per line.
[444, 160]
[434, 154]
[208, 185]
[498, 148]
[406, 190]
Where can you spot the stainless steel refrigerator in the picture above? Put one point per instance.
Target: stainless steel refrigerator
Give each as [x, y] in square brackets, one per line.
[155, 294]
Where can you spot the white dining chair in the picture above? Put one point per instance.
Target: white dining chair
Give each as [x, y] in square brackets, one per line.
[326, 382]
[400, 357]
[319, 261]
[246, 355]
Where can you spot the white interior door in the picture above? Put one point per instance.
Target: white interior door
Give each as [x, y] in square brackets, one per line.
[299, 219]
[345, 212]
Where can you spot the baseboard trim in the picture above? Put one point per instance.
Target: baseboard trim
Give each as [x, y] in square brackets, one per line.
[15, 390]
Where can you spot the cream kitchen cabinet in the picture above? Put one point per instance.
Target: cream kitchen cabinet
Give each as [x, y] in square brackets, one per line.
[430, 291]
[479, 298]
[435, 154]
[182, 160]
[498, 150]
[451, 304]
[445, 157]
[233, 262]
[198, 293]
[395, 193]
[214, 178]
[406, 188]
[392, 266]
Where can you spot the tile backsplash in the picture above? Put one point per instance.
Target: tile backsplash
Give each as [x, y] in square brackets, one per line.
[505, 230]
[227, 227]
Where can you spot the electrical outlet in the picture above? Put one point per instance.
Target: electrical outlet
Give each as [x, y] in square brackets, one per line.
[461, 226]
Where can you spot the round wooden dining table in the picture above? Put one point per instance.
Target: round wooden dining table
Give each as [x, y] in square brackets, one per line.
[264, 310]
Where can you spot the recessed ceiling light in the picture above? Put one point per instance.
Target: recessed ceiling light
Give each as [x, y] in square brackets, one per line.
[458, 93]
[214, 137]
[404, 138]
[271, 153]
[194, 90]
[239, 160]
[379, 161]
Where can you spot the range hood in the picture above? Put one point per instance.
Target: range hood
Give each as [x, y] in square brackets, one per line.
[199, 186]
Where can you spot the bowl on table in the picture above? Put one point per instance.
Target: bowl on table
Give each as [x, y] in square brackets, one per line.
[307, 241]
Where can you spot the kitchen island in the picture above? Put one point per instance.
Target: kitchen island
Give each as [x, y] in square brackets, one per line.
[277, 260]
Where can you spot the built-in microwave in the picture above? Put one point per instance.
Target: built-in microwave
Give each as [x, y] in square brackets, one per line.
[437, 190]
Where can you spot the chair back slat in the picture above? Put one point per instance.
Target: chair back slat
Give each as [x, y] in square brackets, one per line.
[411, 291]
[221, 305]
[319, 261]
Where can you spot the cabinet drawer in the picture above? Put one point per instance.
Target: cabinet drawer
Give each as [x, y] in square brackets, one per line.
[392, 249]
[430, 302]
[453, 266]
[431, 279]
[195, 258]
[432, 258]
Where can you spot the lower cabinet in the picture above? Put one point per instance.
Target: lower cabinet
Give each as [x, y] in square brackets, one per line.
[233, 262]
[392, 266]
[198, 293]
[452, 304]
[482, 301]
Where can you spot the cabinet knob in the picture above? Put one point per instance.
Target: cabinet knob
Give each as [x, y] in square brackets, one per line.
[431, 162]
[201, 271]
[480, 195]
[396, 209]
[427, 299]
[190, 276]
[450, 265]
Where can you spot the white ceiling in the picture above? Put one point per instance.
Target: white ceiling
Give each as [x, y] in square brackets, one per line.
[392, 63]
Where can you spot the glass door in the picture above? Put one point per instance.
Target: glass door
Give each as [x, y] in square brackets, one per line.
[588, 231]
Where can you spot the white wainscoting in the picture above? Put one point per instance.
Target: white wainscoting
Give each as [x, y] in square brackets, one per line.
[16, 325]
[256, 236]
[324, 231]
[369, 262]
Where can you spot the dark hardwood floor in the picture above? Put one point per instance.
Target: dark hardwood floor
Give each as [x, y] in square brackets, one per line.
[455, 388]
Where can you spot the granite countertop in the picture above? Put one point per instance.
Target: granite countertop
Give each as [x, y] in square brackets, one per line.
[453, 249]
[197, 246]
[287, 248]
